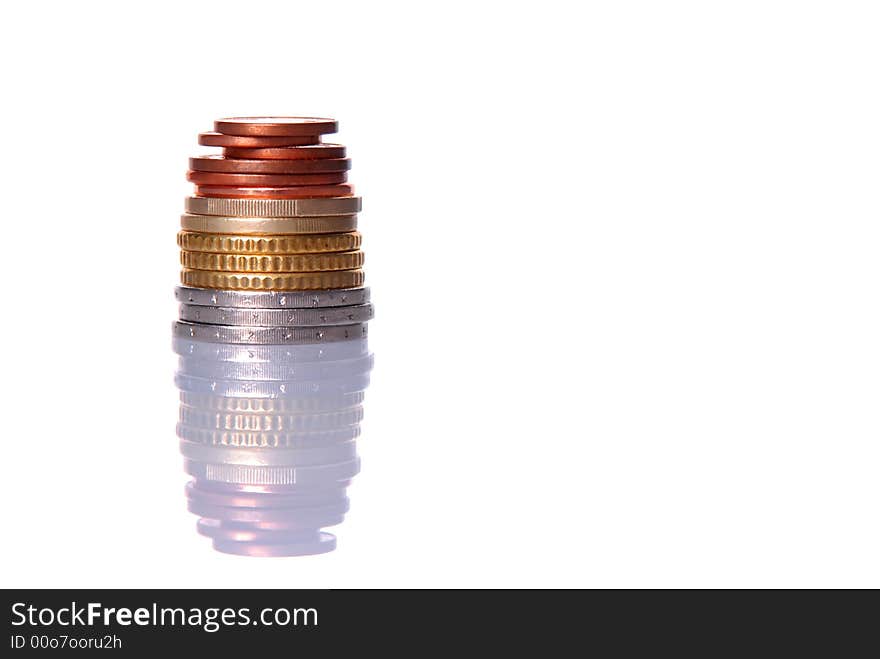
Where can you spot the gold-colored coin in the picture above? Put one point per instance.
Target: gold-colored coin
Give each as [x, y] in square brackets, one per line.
[339, 401]
[304, 244]
[268, 226]
[273, 207]
[272, 263]
[291, 281]
[266, 439]
[314, 422]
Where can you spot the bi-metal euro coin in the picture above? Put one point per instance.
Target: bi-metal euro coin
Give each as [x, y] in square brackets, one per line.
[210, 297]
[277, 317]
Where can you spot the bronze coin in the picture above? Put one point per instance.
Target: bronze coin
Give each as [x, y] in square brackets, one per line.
[250, 142]
[287, 153]
[237, 166]
[265, 180]
[275, 126]
[298, 192]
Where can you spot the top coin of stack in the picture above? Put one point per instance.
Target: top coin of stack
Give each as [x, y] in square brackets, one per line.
[273, 212]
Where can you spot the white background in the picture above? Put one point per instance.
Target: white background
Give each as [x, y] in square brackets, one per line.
[624, 257]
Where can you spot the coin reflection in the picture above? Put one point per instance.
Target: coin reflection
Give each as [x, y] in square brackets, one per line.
[268, 434]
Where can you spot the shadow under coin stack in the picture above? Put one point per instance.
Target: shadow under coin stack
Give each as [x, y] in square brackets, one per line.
[272, 336]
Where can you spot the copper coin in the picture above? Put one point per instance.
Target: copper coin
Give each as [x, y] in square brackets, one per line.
[236, 166]
[275, 126]
[288, 153]
[265, 180]
[298, 192]
[240, 499]
[248, 532]
[322, 544]
[250, 142]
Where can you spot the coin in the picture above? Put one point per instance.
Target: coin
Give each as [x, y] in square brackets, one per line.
[269, 456]
[243, 439]
[278, 520]
[275, 126]
[306, 244]
[334, 491]
[322, 543]
[275, 511]
[234, 374]
[288, 281]
[280, 192]
[254, 263]
[270, 152]
[250, 354]
[245, 534]
[218, 139]
[273, 208]
[270, 388]
[289, 523]
[267, 335]
[323, 475]
[291, 423]
[310, 496]
[277, 405]
[271, 299]
[272, 226]
[300, 529]
[265, 180]
[257, 439]
[244, 166]
[277, 317]
[291, 371]
[205, 493]
[281, 520]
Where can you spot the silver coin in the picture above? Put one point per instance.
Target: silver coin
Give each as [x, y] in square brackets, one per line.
[211, 297]
[270, 457]
[277, 317]
[243, 439]
[243, 353]
[270, 389]
[267, 335]
[291, 371]
[213, 420]
[315, 207]
[323, 475]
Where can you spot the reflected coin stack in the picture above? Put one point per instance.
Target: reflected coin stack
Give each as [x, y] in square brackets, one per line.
[273, 355]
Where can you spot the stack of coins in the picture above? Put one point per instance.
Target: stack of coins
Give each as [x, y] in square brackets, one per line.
[273, 355]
